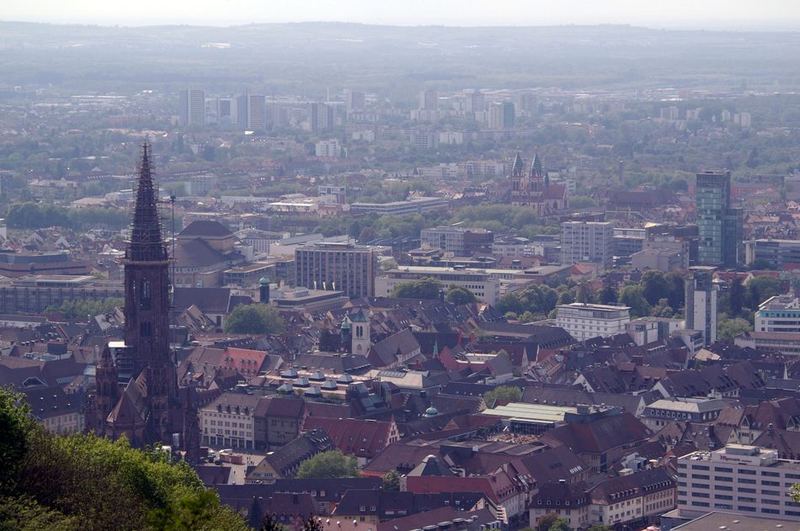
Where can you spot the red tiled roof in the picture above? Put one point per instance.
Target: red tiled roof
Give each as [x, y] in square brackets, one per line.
[362, 438]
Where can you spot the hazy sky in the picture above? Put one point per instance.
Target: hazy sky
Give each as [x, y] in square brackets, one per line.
[711, 14]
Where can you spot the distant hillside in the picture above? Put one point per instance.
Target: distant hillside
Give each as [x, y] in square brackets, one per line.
[313, 56]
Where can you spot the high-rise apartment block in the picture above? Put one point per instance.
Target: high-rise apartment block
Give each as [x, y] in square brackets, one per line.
[719, 224]
[501, 115]
[701, 302]
[193, 108]
[251, 112]
[356, 101]
[587, 241]
[337, 266]
[429, 100]
[474, 101]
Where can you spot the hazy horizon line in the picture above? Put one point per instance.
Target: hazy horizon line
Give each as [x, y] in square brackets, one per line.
[763, 26]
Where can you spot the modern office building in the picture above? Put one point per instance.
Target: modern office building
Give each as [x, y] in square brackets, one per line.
[775, 254]
[628, 241]
[587, 241]
[340, 266]
[398, 208]
[780, 313]
[483, 283]
[585, 321]
[701, 302]
[719, 224]
[193, 108]
[460, 241]
[738, 478]
[35, 293]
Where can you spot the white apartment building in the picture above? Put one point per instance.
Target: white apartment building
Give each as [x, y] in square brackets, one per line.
[585, 321]
[229, 421]
[587, 241]
[738, 478]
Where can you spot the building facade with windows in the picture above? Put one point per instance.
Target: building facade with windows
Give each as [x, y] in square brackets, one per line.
[776, 254]
[584, 321]
[484, 284]
[719, 224]
[340, 266]
[780, 313]
[460, 241]
[229, 421]
[738, 478]
[587, 241]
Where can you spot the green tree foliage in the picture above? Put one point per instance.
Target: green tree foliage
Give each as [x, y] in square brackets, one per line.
[458, 295]
[676, 296]
[270, 523]
[500, 217]
[254, 319]
[502, 395]
[730, 328]
[328, 465]
[535, 299]
[608, 295]
[25, 514]
[633, 296]
[15, 424]
[662, 309]
[566, 297]
[582, 201]
[552, 522]
[560, 524]
[425, 288]
[584, 294]
[762, 288]
[38, 216]
[736, 297]
[81, 308]
[654, 287]
[599, 527]
[391, 481]
[88, 483]
[312, 524]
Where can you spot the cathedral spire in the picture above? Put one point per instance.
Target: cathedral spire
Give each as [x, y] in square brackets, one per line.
[536, 167]
[516, 168]
[146, 244]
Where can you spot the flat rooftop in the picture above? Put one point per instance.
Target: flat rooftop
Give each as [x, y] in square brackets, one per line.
[531, 412]
[737, 522]
[594, 307]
